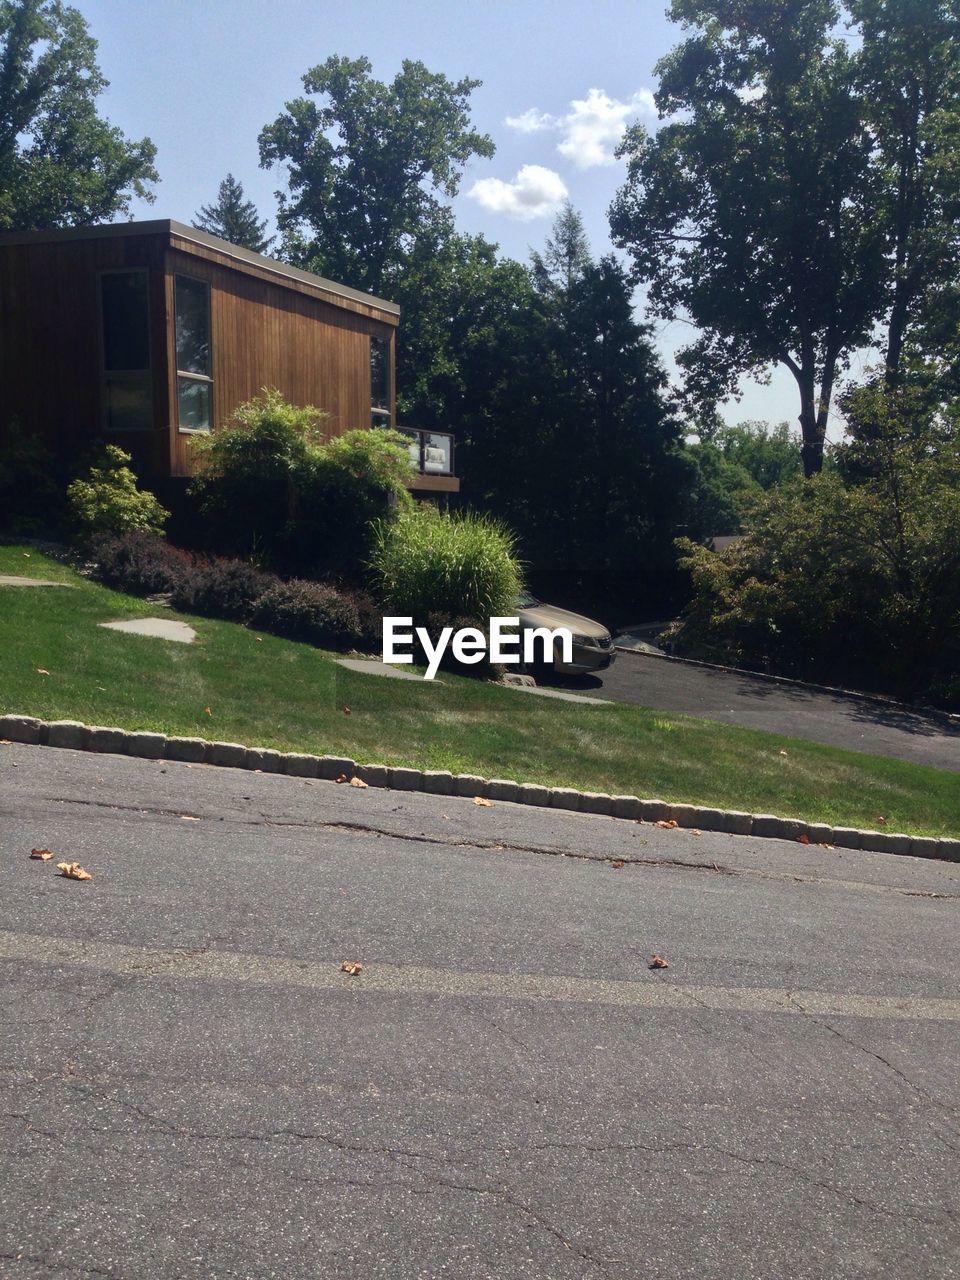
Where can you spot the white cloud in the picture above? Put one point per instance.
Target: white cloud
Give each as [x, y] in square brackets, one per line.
[532, 121]
[592, 127]
[533, 193]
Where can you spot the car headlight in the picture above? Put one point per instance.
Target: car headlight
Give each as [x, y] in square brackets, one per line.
[587, 641]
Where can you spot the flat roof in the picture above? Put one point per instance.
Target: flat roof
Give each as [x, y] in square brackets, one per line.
[242, 257]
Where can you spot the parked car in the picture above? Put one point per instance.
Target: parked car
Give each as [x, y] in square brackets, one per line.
[592, 643]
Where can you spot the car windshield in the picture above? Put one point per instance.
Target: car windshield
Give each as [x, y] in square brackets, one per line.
[526, 601]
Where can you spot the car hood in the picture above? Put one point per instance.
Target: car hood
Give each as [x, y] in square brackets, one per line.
[548, 615]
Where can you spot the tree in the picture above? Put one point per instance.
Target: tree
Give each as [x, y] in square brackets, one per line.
[792, 206]
[368, 168]
[60, 163]
[233, 218]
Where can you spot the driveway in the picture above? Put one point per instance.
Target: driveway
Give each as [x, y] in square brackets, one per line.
[192, 1087]
[839, 720]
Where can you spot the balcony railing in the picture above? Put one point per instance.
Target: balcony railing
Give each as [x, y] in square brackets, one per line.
[431, 452]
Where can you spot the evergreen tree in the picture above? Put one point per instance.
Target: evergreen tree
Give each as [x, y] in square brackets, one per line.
[233, 218]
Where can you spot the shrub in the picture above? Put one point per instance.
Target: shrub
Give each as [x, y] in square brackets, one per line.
[311, 611]
[220, 588]
[428, 562]
[140, 564]
[108, 498]
[32, 501]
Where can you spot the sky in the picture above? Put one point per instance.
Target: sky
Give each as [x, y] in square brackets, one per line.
[561, 79]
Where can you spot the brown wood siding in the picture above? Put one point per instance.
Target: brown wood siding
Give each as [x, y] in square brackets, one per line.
[50, 343]
[264, 334]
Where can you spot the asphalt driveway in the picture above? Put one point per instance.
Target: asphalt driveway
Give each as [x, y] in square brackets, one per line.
[840, 720]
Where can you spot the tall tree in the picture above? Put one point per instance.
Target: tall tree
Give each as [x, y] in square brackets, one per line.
[233, 218]
[369, 167]
[799, 201]
[60, 163]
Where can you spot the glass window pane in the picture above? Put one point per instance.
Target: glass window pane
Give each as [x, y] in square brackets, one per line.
[379, 374]
[126, 320]
[193, 404]
[436, 454]
[129, 403]
[193, 326]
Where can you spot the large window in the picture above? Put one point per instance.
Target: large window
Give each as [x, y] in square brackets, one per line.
[194, 366]
[379, 382]
[125, 344]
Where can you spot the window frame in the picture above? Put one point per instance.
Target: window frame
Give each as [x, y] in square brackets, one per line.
[381, 417]
[143, 376]
[185, 374]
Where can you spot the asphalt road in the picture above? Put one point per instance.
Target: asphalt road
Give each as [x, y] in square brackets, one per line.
[192, 1087]
[839, 720]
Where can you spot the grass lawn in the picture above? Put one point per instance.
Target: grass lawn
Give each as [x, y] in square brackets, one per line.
[237, 685]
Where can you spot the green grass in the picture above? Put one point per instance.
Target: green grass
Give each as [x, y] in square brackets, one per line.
[270, 692]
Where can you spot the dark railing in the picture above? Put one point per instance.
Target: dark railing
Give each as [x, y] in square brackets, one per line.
[431, 452]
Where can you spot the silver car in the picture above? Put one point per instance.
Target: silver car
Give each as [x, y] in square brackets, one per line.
[592, 643]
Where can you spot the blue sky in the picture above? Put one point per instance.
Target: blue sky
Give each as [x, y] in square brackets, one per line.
[560, 78]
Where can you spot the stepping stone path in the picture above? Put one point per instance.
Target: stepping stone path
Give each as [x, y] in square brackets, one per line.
[158, 628]
[10, 580]
[374, 667]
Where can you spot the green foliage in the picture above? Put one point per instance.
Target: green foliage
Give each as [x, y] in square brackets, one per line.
[60, 163]
[429, 562]
[233, 218]
[314, 612]
[141, 564]
[31, 490]
[853, 577]
[370, 166]
[734, 464]
[270, 486]
[108, 500]
[220, 588]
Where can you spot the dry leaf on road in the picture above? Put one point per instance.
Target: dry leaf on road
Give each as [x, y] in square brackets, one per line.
[658, 962]
[42, 855]
[666, 823]
[358, 782]
[483, 802]
[73, 871]
[353, 967]
[616, 863]
[803, 838]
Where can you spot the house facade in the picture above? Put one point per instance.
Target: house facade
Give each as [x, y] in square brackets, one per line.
[145, 333]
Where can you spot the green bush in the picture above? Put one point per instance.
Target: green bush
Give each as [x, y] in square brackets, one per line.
[428, 562]
[312, 611]
[141, 564]
[32, 501]
[108, 499]
[269, 485]
[220, 588]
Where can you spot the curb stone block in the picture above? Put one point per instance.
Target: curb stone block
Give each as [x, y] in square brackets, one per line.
[871, 841]
[468, 784]
[502, 789]
[114, 741]
[710, 820]
[264, 759]
[685, 815]
[148, 746]
[330, 768]
[847, 837]
[437, 782]
[655, 811]
[228, 755]
[189, 750]
[374, 775]
[819, 833]
[24, 729]
[296, 764]
[734, 823]
[950, 850]
[890, 842]
[406, 779]
[924, 847]
[68, 733]
[625, 807]
[596, 802]
[564, 798]
[766, 825]
[532, 793]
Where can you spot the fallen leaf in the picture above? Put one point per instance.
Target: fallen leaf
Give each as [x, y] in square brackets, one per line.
[342, 778]
[73, 871]
[42, 671]
[483, 802]
[617, 863]
[43, 855]
[803, 838]
[353, 967]
[695, 831]
[259, 639]
[783, 753]
[347, 711]
[358, 782]
[188, 817]
[658, 962]
[207, 711]
[882, 821]
[667, 824]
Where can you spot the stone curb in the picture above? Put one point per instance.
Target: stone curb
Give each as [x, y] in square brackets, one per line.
[73, 735]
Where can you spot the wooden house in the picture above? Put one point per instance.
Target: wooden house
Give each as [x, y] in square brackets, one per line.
[144, 333]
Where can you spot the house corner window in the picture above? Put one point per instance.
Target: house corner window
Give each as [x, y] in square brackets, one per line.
[125, 347]
[379, 382]
[194, 366]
